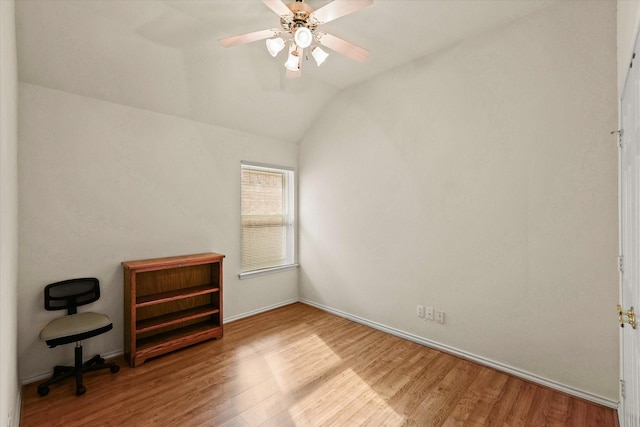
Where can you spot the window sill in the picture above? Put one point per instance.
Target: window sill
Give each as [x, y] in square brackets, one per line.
[264, 271]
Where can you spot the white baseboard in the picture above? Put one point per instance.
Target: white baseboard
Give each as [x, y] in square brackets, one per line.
[15, 418]
[472, 357]
[259, 310]
[401, 334]
[620, 414]
[46, 375]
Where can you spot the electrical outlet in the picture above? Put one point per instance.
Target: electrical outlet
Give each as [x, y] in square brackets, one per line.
[428, 313]
[440, 316]
[420, 311]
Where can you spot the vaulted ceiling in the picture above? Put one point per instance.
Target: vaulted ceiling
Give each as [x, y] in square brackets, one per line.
[164, 56]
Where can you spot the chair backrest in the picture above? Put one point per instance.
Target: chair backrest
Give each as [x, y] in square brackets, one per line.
[72, 293]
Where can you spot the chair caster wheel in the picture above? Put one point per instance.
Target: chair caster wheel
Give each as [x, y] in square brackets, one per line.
[114, 369]
[43, 391]
[80, 390]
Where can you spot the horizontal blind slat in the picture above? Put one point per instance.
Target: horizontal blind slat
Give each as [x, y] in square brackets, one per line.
[264, 220]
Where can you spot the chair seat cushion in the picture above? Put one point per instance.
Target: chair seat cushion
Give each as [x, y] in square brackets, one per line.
[75, 327]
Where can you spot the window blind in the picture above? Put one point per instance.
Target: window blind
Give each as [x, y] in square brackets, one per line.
[266, 218]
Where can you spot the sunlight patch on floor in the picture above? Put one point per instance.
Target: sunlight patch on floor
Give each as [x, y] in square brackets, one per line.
[316, 388]
[344, 399]
[291, 366]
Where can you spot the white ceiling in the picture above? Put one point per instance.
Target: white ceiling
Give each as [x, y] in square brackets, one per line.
[163, 55]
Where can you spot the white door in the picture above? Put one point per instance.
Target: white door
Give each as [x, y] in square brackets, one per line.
[630, 244]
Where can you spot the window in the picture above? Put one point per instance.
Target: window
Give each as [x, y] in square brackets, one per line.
[267, 211]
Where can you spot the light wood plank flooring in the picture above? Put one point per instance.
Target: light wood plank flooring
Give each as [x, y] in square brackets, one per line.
[299, 366]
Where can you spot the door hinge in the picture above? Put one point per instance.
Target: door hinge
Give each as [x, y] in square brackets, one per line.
[619, 132]
[621, 263]
[622, 389]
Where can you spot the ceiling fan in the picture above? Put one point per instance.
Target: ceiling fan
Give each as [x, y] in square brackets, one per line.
[299, 27]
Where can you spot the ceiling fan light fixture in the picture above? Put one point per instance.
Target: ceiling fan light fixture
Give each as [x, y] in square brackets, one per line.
[274, 46]
[293, 62]
[299, 24]
[303, 37]
[319, 55]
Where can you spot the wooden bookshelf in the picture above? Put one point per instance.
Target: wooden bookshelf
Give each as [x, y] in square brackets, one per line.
[171, 303]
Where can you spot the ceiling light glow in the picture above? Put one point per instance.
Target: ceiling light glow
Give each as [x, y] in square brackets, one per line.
[319, 55]
[274, 46]
[293, 62]
[303, 37]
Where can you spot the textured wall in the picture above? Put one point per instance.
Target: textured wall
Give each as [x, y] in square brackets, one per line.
[481, 181]
[8, 216]
[101, 183]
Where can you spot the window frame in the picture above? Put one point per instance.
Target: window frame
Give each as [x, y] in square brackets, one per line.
[291, 218]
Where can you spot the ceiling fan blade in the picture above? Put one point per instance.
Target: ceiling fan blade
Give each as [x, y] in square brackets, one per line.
[278, 7]
[337, 9]
[344, 47]
[250, 37]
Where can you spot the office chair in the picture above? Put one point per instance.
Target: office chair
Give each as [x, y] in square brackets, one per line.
[74, 327]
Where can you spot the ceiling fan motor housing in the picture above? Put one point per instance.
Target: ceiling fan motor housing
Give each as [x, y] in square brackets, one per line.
[301, 17]
[298, 24]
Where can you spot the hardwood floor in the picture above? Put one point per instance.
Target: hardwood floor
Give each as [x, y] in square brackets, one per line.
[299, 366]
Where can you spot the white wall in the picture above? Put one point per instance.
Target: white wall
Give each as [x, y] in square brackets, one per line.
[628, 25]
[101, 183]
[9, 390]
[480, 181]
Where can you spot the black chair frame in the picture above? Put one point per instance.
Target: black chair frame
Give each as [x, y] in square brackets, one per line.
[68, 295]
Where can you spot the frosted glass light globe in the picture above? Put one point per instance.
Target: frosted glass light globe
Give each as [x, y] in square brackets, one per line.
[274, 46]
[303, 37]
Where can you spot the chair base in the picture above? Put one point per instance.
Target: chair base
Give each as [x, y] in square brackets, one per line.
[61, 373]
